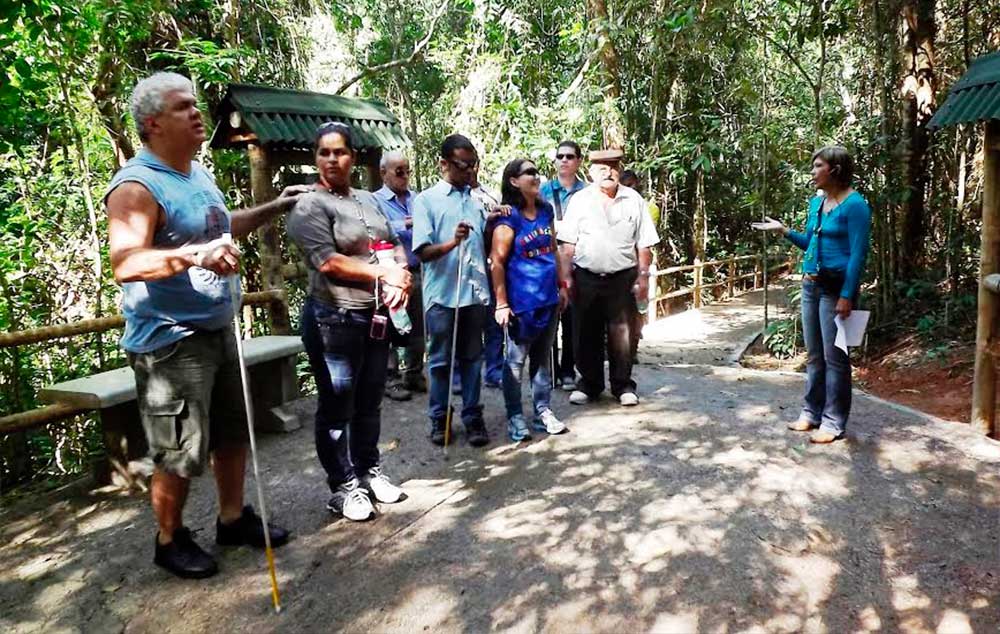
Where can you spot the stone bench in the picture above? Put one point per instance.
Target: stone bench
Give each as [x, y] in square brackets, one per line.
[270, 361]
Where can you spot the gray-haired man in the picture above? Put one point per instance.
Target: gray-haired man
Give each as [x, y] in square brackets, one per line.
[166, 220]
[406, 366]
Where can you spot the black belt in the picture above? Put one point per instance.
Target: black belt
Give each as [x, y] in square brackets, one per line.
[603, 275]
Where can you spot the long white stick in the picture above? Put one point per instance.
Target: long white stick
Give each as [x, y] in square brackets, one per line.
[454, 344]
[238, 332]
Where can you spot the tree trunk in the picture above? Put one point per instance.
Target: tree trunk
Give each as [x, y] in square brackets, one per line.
[612, 121]
[919, 87]
[269, 238]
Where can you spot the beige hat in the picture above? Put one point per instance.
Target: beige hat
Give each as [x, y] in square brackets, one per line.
[613, 155]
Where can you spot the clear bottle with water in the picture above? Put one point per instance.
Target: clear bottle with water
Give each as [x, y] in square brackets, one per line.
[384, 252]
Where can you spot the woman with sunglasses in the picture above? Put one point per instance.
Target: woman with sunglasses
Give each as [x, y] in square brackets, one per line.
[341, 231]
[529, 294]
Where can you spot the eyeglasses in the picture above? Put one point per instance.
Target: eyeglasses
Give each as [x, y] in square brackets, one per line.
[565, 157]
[402, 172]
[531, 171]
[463, 165]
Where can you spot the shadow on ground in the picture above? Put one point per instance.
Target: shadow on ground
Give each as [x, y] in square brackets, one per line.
[694, 512]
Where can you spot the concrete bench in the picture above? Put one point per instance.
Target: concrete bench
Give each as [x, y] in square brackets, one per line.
[270, 361]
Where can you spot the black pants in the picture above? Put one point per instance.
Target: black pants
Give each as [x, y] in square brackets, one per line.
[604, 304]
[565, 365]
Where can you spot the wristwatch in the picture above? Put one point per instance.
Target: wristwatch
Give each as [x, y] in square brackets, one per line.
[643, 273]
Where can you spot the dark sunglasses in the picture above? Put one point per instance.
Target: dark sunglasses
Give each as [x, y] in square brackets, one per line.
[531, 171]
[565, 157]
[463, 165]
[400, 172]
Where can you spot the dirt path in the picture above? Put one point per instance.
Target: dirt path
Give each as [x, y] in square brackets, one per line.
[694, 512]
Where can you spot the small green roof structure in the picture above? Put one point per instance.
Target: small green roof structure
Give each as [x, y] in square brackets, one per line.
[975, 97]
[285, 119]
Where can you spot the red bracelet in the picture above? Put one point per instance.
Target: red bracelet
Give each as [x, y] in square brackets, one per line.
[565, 283]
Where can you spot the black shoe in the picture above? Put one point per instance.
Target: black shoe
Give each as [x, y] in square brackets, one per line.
[478, 436]
[437, 432]
[183, 557]
[397, 392]
[248, 530]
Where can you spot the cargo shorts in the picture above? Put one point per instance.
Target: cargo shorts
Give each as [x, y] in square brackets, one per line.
[190, 400]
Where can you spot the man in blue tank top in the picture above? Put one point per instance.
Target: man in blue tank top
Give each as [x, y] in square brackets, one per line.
[166, 222]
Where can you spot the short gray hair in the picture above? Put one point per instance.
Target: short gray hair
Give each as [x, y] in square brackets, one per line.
[390, 157]
[148, 96]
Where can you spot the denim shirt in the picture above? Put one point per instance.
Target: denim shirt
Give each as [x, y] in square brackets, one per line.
[436, 213]
[553, 189]
[842, 243]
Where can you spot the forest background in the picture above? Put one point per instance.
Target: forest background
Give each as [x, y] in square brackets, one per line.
[718, 104]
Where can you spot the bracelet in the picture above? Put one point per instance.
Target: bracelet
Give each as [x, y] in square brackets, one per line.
[501, 307]
[565, 283]
[643, 273]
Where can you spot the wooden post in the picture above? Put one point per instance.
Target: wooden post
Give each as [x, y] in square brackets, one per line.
[984, 384]
[757, 272]
[731, 285]
[651, 298]
[697, 282]
[269, 238]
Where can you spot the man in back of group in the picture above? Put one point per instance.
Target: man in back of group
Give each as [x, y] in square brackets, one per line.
[606, 238]
[166, 223]
[406, 364]
[558, 192]
[444, 217]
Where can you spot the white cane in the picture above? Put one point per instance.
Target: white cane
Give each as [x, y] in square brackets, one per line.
[275, 598]
[454, 344]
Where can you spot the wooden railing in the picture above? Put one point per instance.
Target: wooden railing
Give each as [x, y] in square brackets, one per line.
[724, 274]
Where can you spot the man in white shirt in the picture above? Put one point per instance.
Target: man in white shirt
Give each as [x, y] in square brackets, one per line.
[606, 238]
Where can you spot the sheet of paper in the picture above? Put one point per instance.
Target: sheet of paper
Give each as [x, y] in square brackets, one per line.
[851, 331]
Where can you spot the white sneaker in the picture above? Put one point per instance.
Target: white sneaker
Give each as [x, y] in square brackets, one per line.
[379, 485]
[628, 399]
[351, 501]
[577, 397]
[548, 421]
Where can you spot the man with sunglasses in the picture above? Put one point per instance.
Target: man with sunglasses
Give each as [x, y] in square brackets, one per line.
[558, 192]
[406, 364]
[448, 223]
[606, 238]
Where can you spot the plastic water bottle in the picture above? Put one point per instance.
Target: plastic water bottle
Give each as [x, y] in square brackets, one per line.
[384, 252]
[641, 303]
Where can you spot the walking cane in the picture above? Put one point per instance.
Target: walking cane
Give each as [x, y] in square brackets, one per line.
[275, 598]
[454, 343]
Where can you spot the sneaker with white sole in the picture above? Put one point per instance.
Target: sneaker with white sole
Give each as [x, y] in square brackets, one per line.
[351, 501]
[380, 486]
[548, 423]
[628, 399]
[517, 429]
[578, 397]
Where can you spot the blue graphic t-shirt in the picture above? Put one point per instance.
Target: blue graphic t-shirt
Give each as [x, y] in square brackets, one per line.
[532, 278]
[160, 312]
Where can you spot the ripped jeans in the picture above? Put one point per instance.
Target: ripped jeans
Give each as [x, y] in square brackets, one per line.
[350, 371]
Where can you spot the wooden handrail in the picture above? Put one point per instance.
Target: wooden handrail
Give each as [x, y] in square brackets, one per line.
[104, 324]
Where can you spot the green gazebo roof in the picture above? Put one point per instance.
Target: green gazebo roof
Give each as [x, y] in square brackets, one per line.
[974, 97]
[287, 119]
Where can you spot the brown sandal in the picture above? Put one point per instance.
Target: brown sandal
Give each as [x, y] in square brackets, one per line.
[802, 425]
[823, 438]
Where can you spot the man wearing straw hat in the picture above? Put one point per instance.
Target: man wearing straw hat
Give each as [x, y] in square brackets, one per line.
[166, 221]
[606, 237]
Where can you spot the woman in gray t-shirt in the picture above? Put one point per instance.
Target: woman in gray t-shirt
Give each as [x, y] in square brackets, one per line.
[345, 321]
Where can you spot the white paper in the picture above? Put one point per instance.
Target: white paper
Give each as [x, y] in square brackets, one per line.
[851, 331]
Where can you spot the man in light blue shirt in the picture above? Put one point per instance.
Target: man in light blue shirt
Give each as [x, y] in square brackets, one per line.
[449, 223]
[406, 363]
[558, 192]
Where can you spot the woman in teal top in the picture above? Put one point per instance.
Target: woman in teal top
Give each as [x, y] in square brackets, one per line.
[836, 239]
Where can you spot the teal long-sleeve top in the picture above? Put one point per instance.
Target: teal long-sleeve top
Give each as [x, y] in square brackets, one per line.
[841, 244]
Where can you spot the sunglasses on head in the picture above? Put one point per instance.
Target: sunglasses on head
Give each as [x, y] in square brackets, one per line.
[463, 165]
[565, 157]
[531, 171]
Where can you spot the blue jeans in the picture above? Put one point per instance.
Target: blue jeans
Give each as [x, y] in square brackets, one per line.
[538, 353]
[439, 322]
[350, 370]
[828, 368]
[493, 340]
